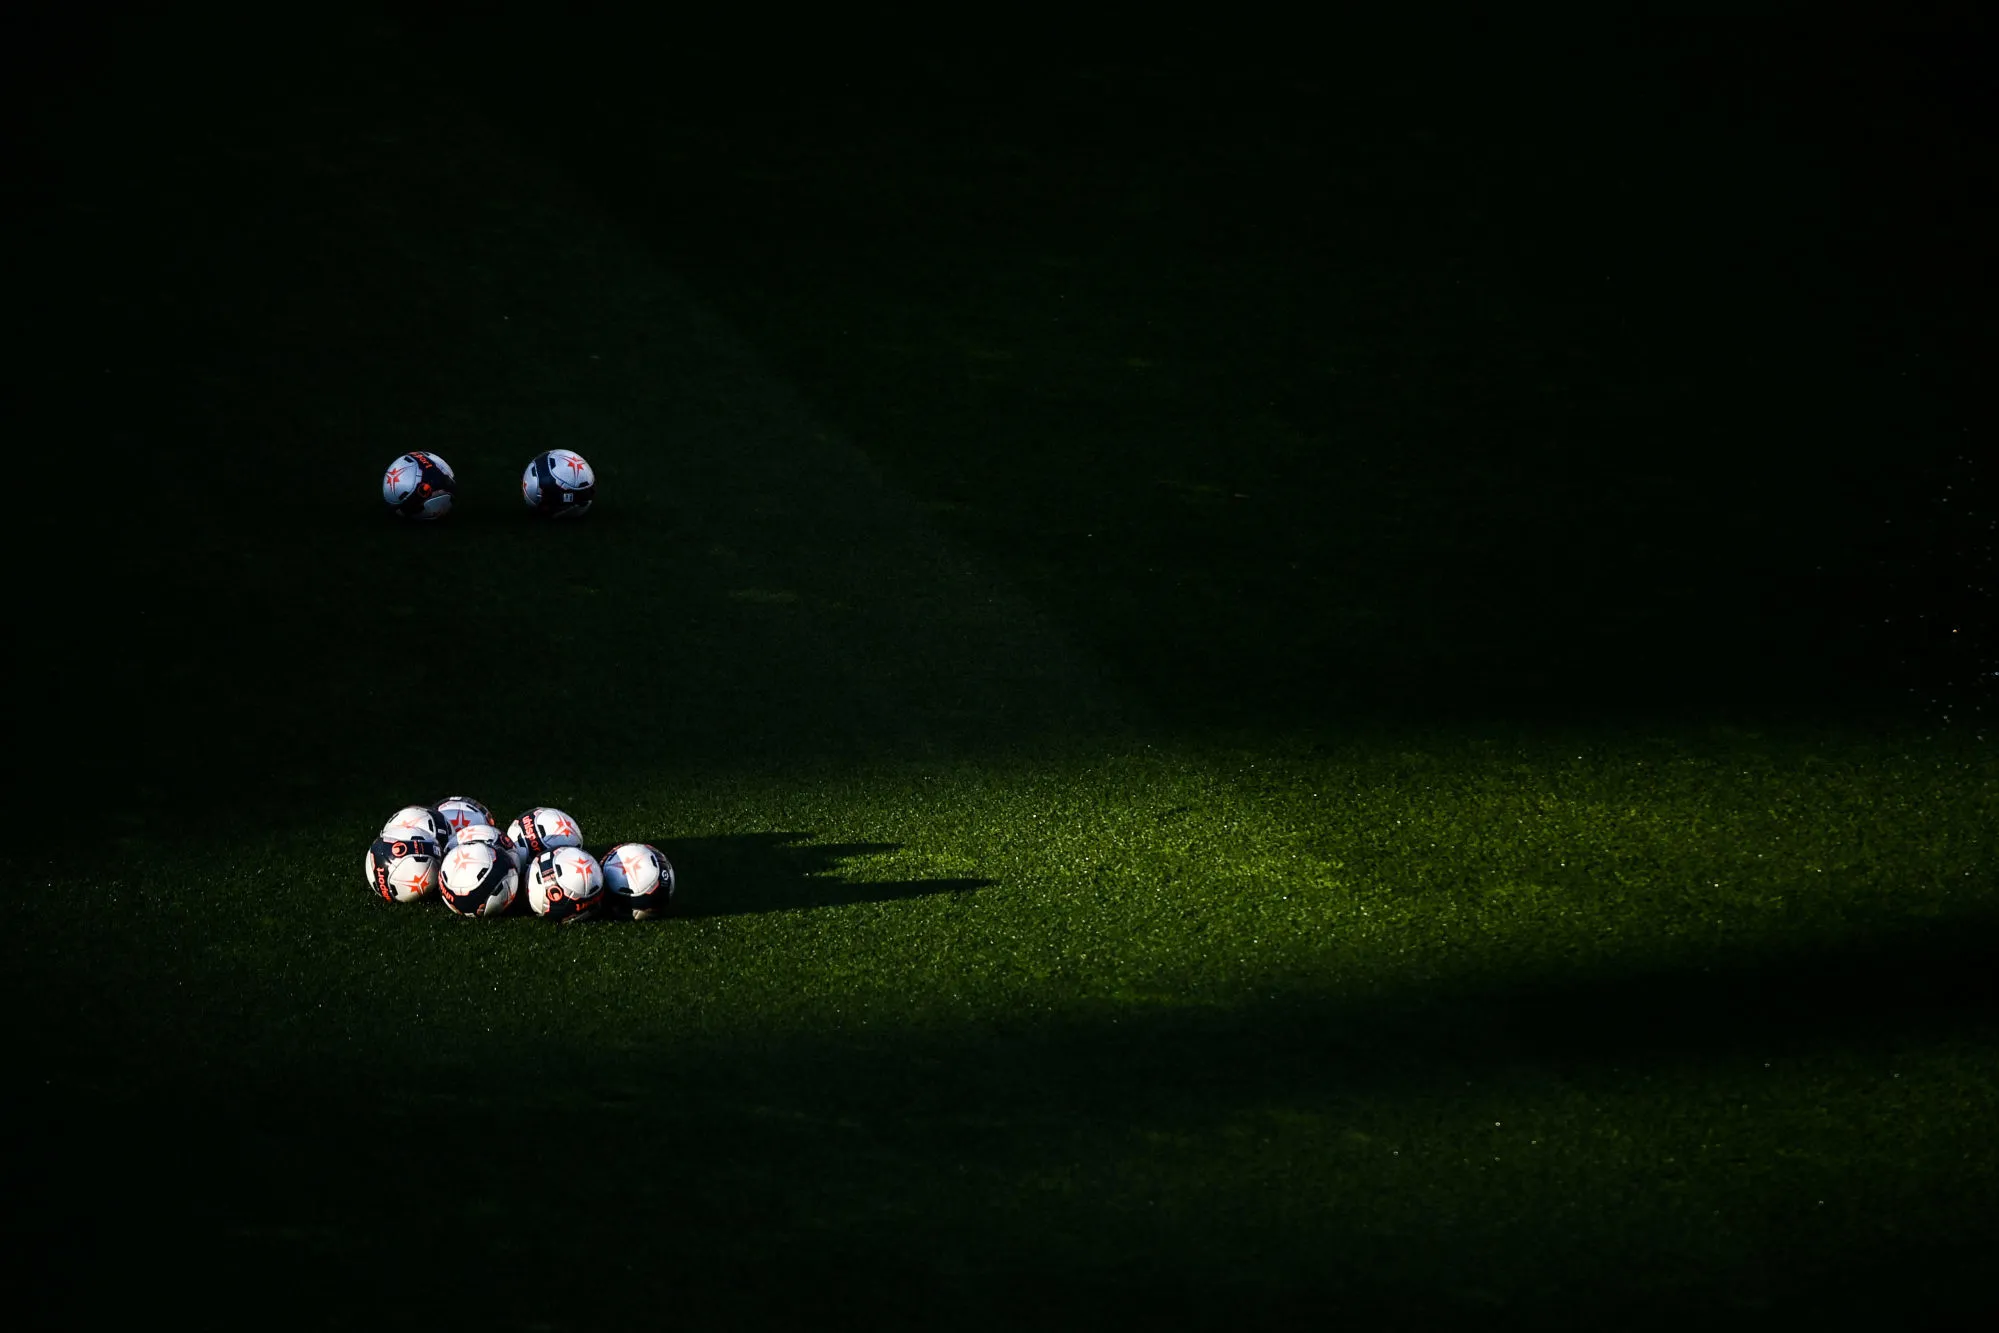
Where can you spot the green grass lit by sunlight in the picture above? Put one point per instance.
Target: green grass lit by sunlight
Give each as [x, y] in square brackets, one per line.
[1444, 1011]
[1149, 877]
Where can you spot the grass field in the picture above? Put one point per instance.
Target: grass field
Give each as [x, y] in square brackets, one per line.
[1241, 749]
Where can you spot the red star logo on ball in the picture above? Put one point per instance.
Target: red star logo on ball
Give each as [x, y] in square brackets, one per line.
[573, 463]
[564, 829]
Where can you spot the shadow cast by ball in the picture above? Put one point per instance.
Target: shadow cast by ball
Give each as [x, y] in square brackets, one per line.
[739, 874]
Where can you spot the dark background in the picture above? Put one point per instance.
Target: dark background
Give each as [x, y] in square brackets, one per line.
[1497, 376]
[1523, 374]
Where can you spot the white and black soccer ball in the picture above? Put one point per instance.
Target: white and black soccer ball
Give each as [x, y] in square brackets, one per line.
[566, 884]
[423, 821]
[478, 879]
[401, 867]
[543, 829]
[462, 812]
[559, 484]
[419, 485]
[485, 834]
[639, 879]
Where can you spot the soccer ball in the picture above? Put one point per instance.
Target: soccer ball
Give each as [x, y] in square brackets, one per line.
[637, 876]
[543, 829]
[422, 821]
[419, 485]
[560, 484]
[566, 884]
[476, 835]
[401, 867]
[462, 812]
[479, 879]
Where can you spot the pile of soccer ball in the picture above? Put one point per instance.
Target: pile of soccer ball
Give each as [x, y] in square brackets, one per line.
[455, 850]
[558, 484]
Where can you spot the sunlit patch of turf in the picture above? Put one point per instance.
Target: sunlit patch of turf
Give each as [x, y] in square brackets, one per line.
[1452, 1021]
[977, 889]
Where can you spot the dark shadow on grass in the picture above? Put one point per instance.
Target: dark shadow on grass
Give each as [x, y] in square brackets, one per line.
[745, 873]
[1900, 987]
[1606, 512]
[1013, 1166]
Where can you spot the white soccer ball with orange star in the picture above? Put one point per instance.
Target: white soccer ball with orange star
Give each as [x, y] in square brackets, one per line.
[559, 484]
[462, 812]
[419, 485]
[566, 884]
[401, 867]
[486, 833]
[479, 879]
[639, 879]
[422, 821]
[543, 829]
